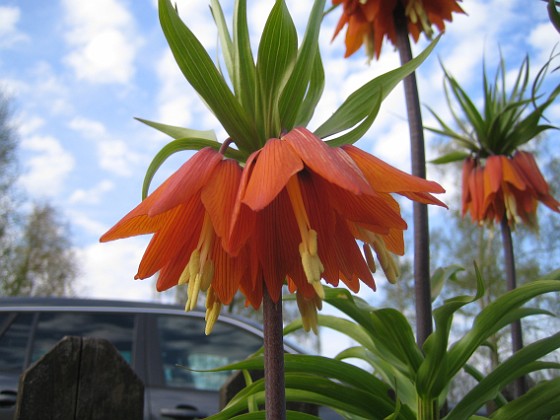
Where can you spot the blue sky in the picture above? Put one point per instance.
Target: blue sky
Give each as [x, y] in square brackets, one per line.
[79, 71]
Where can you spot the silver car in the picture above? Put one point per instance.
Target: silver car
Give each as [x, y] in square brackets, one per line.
[154, 338]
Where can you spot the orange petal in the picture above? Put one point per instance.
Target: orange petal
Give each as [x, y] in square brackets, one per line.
[468, 166]
[270, 170]
[219, 197]
[386, 178]
[327, 162]
[137, 221]
[511, 175]
[187, 180]
[179, 234]
[493, 175]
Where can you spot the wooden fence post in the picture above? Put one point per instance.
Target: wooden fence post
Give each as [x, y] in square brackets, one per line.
[80, 378]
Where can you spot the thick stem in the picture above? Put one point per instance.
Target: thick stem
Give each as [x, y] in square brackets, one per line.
[420, 211]
[427, 409]
[274, 359]
[520, 384]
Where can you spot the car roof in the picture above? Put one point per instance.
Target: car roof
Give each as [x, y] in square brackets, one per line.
[27, 303]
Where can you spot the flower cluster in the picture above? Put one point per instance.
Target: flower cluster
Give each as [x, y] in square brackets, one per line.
[370, 21]
[505, 187]
[293, 214]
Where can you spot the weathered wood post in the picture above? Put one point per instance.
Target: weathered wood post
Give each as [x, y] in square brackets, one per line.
[80, 378]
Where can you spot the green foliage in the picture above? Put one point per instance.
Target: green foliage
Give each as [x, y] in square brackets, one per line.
[256, 101]
[417, 378]
[506, 121]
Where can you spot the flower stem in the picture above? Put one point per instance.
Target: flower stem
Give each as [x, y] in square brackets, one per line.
[427, 409]
[275, 401]
[520, 384]
[420, 211]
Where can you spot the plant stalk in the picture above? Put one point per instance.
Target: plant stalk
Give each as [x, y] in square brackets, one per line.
[420, 211]
[427, 409]
[520, 384]
[275, 399]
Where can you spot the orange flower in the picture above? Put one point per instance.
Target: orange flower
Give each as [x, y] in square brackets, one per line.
[189, 215]
[370, 21]
[509, 187]
[294, 214]
[304, 205]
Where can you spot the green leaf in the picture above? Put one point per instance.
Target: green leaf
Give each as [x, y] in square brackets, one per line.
[484, 324]
[389, 329]
[432, 375]
[360, 104]
[275, 60]
[440, 276]
[360, 130]
[291, 99]
[204, 77]
[180, 145]
[455, 156]
[313, 94]
[520, 363]
[180, 132]
[244, 75]
[223, 33]
[540, 402]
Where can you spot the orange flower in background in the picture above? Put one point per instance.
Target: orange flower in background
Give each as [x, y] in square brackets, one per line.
[505, 187]
[369, 22]
[292, 215]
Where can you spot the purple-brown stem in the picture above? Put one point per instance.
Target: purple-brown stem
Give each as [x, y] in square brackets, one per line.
[420, 211]
[520, 384]
[275, 402]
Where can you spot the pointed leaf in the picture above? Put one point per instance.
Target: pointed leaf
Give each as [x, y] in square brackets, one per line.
[484, 323]
[180, 132]
[291, 99]
[540, 402]
[451, 157]
[201, 73]
[360, 103]
[244, 79]
[313, 94]
[520, 363]
[276, 57]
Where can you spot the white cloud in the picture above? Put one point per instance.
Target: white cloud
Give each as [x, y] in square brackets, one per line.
[177, 100]
[108, 271]
[92, 195]
[102, 39]
[9, 34]
[47, 168]
[113, 154]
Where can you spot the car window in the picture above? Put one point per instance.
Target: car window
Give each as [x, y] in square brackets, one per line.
[14, 336]
[53, 326]
[186, 350]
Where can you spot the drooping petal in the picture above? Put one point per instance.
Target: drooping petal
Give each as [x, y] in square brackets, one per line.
[468, 166]
[326, 161]
[137, 221]
[219, 196]
[271, 168]
[187, 180]
[178, 234]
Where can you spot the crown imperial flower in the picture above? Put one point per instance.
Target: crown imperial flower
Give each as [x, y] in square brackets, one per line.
[369, 22]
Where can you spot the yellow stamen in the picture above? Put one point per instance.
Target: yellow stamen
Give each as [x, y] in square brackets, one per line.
[385, 258]
[213, 308]
[416, 12]
[310, 260]
[369, 258]
[199, 271]
[308, 309]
